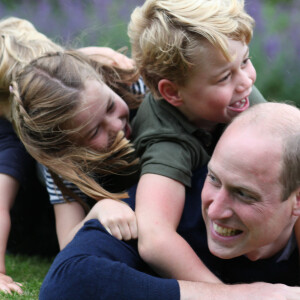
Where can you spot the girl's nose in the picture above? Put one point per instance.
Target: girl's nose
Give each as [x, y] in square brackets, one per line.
[114, 124]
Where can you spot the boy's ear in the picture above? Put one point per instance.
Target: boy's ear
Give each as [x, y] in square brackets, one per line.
[169, 92]
[296, 208]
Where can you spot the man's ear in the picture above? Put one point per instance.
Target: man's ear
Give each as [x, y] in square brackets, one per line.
[169, 92]
[296, 208]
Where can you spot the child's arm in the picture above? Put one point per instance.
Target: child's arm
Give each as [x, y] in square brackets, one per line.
[159, 205]
[67, 216]
[9, 187]
[109, 56]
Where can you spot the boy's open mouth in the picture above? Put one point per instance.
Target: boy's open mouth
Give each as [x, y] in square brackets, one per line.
[240, 105]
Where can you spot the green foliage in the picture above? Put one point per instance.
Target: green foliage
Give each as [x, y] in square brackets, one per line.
[274, 51]
[28, 270]
[274, 2]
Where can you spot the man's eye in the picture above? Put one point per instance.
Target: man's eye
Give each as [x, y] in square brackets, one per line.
[245, 195]
[213, 179]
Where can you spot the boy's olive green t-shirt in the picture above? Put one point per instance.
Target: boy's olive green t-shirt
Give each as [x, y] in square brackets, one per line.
[168, 144]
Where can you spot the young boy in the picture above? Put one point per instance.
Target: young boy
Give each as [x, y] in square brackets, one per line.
[194, 57]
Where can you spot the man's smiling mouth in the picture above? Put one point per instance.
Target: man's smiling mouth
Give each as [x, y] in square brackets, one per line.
[225, 231]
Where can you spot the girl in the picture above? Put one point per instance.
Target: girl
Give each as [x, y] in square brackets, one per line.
[20, 42]
[70, 117]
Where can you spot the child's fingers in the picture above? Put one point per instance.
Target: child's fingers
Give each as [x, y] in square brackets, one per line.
[7, 285]
[4, 288]
[133, 229]
[114, 230]
[125, 232]
[108, 230]
[15, 286]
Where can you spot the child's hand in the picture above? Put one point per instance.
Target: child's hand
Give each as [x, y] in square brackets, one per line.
[109, 57]
[117, 218]
[7, 285]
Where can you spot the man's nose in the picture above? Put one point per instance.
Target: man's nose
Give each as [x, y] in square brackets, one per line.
[221, 206]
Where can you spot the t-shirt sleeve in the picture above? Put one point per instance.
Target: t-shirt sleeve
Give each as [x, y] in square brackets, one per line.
[139, 87]
[174, 160]
[256, 97]
[55, 194]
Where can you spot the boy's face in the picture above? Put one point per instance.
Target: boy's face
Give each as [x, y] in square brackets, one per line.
[218, 90]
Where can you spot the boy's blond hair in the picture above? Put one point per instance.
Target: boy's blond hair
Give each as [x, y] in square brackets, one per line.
[166, 35]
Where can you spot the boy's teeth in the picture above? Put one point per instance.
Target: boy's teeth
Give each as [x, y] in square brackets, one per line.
[240, 103]
[224, 231]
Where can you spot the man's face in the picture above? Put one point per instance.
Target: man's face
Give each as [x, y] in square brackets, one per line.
[241, 197]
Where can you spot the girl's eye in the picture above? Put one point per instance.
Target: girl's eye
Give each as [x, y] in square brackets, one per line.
[95, 133]
[111, 106]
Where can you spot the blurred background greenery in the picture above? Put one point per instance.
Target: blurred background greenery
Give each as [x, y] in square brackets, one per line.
[275, 49]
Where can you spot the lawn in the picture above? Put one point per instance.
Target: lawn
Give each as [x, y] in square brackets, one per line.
[28, 270]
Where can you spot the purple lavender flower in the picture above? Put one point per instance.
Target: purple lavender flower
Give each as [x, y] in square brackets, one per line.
[272, 46]
[254, 9]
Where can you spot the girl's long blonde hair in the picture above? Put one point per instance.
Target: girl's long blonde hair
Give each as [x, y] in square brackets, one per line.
[46, 95]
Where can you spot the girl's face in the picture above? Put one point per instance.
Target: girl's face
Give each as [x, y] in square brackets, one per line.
[103, 114]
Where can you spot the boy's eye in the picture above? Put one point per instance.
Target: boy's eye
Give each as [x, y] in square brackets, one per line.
[246, 60]
[225, 77]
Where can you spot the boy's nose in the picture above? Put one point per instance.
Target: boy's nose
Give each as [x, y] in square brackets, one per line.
[245, 82]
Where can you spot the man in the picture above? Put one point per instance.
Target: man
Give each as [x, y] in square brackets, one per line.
[250, 203]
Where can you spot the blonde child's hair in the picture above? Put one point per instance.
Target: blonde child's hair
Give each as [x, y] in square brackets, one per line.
[167, 35]
[20, 42]
[46, 95]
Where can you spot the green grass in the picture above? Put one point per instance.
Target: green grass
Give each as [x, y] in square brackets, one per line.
[28, 270]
